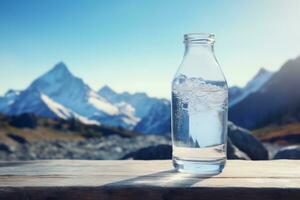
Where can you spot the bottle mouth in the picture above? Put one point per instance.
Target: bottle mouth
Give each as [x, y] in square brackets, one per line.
[199, 38]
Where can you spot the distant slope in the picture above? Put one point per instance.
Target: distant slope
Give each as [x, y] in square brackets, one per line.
[8, 99]
[158, 121]
[277, 102]
[31, 128]
[154, 113]
[33, 101]
[234, 93]
[140, 101]
[237, 94]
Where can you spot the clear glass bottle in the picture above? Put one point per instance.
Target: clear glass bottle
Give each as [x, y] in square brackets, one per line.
[199, 109]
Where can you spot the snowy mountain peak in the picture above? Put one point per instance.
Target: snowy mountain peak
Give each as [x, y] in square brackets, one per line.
[12, 93]
[262, 73]
[59, 78]
[259, 79]
[106, 91]
[58, 72]
[60, 81]
[252, 86]
[263, 70]
[8, 99]
[61, 66]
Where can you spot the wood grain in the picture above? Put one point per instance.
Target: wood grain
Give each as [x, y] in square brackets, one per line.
[75, 179]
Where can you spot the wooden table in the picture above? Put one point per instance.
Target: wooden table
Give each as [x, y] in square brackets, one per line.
[91, 180]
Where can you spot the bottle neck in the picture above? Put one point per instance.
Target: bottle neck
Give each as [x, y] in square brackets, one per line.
[199, 60]
[199, 43]
[198, 49]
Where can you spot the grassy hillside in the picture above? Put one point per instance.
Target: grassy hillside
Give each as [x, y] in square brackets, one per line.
[29, 128]
[285, 134]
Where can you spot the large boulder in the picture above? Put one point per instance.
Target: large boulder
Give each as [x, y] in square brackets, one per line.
[17, 138]
[6, 148]
[247, 143]
[233, 153]
[291, 152]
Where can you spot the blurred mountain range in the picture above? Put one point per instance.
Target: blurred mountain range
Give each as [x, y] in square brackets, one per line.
[277, 101]
[154, 113]
[268, 98]
[237, 94]
[59, 94]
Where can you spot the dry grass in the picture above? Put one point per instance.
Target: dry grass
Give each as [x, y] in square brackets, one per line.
[276, 133]
[37, 134]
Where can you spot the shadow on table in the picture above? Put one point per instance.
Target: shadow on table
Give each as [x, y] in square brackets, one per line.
[170, 178]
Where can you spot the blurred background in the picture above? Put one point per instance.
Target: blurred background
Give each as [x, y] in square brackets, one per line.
[92, 79]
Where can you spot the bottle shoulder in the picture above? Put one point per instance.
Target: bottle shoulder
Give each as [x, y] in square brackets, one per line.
[210, 73]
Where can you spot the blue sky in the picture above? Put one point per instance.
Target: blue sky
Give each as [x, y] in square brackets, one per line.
[137, 45]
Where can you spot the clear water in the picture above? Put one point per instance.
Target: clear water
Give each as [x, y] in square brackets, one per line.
[199, 124]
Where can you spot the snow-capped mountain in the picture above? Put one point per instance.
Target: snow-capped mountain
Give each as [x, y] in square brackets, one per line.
[8, 99]
[237, 94]
[60, 90]
[154, 113]
[33, 101]
[60, 94]
[61, 86]
[140, 101]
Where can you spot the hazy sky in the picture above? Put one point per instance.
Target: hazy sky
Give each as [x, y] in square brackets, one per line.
[137, 45]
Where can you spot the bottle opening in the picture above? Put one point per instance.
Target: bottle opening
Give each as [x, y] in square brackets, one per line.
[199, 38]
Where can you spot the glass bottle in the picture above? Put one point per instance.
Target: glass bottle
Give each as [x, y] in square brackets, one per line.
[199, 109]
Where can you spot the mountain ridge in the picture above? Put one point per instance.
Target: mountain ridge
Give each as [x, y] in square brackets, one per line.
[72, 95]
[277, 102]
[58, 92]
[139, 100]
[237, 94]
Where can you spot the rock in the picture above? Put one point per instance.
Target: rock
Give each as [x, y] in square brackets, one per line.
[291, 152]
[273, 148]
[159, 152]
[233, 153]
[112, 147]
[17, 138]
[6, 148]
[247, 143]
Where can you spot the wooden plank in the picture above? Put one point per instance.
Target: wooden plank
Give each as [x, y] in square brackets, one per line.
[69, 179]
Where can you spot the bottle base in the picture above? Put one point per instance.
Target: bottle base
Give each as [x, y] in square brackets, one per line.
[199, 167]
